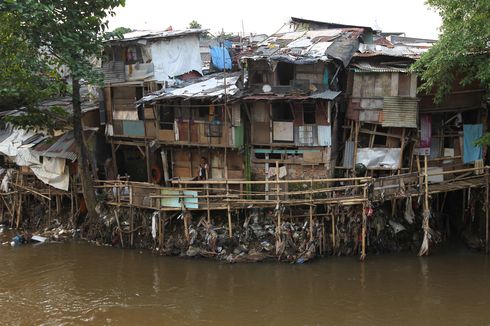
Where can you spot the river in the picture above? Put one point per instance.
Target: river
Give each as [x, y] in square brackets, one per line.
[82, 284]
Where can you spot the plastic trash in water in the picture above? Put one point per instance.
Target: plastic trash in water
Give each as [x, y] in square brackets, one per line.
[17, 240]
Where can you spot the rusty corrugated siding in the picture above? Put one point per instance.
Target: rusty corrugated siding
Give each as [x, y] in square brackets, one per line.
[400, 112]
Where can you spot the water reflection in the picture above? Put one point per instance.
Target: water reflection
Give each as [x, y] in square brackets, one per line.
[69, 284]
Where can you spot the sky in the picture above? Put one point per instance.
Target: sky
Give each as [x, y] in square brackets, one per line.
[266, 17]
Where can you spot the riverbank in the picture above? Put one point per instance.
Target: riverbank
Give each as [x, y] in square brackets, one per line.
[256, 235]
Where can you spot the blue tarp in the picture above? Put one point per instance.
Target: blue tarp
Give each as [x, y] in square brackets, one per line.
[472, 152]
[220, 62]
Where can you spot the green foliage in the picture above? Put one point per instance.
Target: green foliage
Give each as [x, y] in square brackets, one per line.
[70, 31]
[463, 50]
[39, 37]
[194, 25]
[26, 76]
[117, 33]
[49, 119]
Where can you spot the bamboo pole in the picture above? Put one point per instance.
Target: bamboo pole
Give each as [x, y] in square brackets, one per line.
[278, 201]
[119, 228]
[424, 249]
[364, 224]
[186, 224]
[228, 208]
[19, 206]
[311, 211]
[49, 205]
[208, 209]
[230, 230]
[161, 234]
[356, 139]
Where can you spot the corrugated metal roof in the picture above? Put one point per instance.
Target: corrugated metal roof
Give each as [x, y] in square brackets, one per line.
[370, 67]
[399, 50]
[400, 112]
[150, 35]
[63, 147]
[212, 87]
[326, 95]
[313, 46]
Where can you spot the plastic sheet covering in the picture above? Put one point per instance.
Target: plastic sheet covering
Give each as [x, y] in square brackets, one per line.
[175, 57]
[53, 171]
[10, 145]
[220, 58]
[379, 157]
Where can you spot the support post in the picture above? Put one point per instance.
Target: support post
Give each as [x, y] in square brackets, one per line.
[119, 228]
[278, 201]
[131, 217]
[19, 206]
[311, 210]
[364, 224]
[424, 248]
[230, 227]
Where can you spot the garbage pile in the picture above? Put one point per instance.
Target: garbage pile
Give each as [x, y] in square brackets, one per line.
[255, 239]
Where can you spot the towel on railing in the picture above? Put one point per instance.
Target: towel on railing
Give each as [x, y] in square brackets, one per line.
[472, 152]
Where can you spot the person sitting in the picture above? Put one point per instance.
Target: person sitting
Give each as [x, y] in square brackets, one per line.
[203, 169]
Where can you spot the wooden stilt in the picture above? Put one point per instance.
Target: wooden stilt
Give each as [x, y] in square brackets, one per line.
[208, 209]
[19, 204]
[230, 230]
[311, 210]
[364, 225]
[424, 249]
[278, 201]
[162, 220]
[119, 228]
[131, 218]
[186, 224]
[49, 205]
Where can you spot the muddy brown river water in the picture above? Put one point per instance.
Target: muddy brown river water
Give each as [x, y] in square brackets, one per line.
[81, 284]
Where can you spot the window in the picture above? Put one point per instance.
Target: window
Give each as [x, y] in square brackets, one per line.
[309, 113]
[167, 118]
[203, 112]
[281, 111]
[285, 73]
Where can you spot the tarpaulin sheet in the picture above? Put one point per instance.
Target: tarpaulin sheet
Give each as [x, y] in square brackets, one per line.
[472, 152]
[10, 145]
[379, 157]
[175, 57]
[220, 58]
[53, 171]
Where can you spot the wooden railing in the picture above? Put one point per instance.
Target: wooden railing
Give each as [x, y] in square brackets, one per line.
[225, 194]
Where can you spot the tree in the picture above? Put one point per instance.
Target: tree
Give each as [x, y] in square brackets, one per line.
[26, 77]
[194, 25]
[72, 33]
[463, 49]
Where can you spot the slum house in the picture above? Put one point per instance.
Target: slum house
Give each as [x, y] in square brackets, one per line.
[412, 145]
[291, 99]
[304, 214]
[138, 64]
[197, 121]
[39, 166]
[388, 120]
